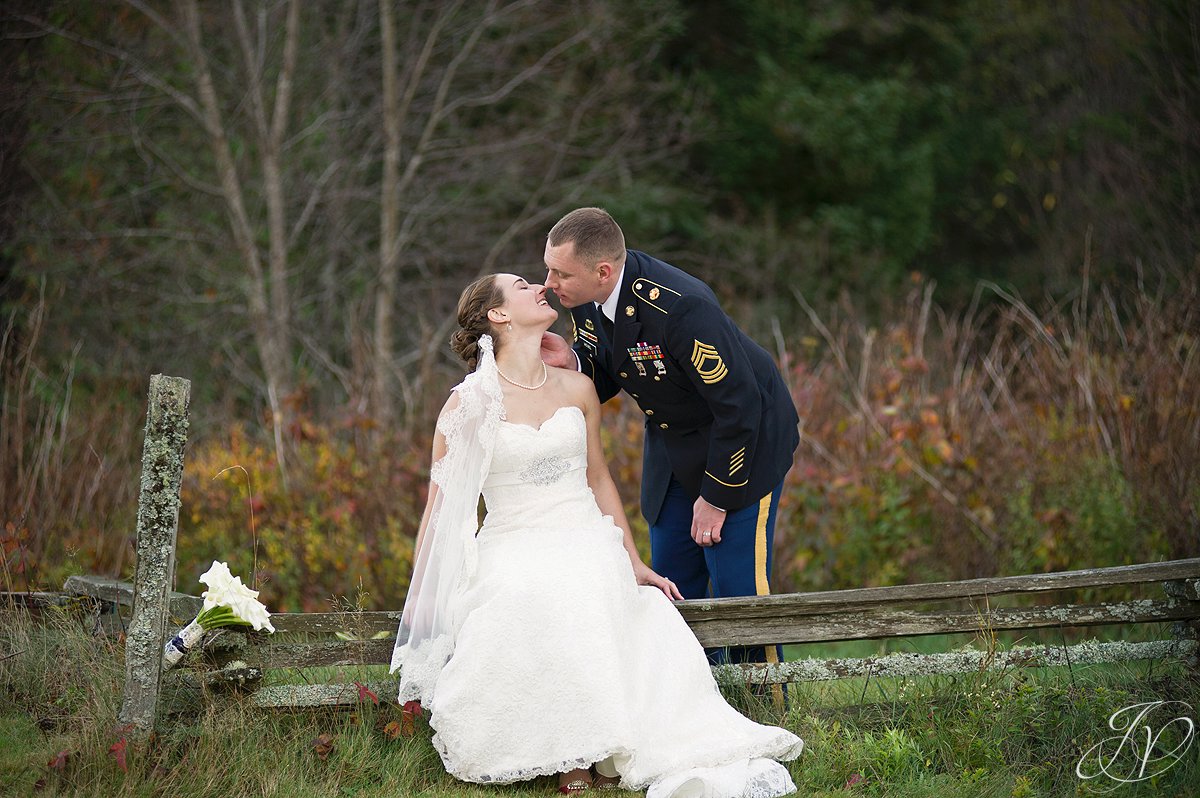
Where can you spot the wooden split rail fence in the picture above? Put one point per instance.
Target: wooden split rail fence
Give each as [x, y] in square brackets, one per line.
[308, 640]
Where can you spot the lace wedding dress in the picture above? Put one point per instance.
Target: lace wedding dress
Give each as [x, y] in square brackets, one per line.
[562, 660]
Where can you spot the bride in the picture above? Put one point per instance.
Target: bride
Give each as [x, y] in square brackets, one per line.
[539, 641]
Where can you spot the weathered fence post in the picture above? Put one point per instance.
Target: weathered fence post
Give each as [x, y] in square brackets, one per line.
[1186, 590]
[157, 522]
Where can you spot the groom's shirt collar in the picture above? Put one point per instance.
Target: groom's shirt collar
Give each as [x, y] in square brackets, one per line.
[609, 306]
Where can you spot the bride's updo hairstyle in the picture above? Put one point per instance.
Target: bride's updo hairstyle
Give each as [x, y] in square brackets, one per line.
[473, 305]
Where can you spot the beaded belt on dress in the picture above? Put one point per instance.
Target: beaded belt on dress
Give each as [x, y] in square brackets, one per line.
[542, 471]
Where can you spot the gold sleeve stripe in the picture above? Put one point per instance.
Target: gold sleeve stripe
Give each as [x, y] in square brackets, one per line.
[726, 484]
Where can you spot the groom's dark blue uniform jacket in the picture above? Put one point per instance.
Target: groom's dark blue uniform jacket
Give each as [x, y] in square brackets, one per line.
[718, 414]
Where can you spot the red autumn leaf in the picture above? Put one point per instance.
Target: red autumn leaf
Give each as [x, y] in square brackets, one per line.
[59, 762]
[322, 746]
[117, 750]
[393, 730]
[408, 715]
[364, 693]
[856, 778]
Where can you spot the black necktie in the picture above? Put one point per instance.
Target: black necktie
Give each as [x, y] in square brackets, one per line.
[608, 326]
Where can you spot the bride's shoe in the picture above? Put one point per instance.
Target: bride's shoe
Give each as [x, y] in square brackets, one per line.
[603, 781]
[574, 781]
[600, 782]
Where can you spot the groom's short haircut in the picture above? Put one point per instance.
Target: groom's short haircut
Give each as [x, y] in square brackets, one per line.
[596, 235]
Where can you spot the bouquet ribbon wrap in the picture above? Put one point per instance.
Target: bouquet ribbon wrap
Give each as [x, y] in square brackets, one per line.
[182, 643]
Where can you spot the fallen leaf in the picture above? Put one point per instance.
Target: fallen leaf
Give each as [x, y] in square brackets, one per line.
[322, 746]
[854, 779]
[59, 762]
[38, 785]
[117, 750]
[393, 730]
[408, 714]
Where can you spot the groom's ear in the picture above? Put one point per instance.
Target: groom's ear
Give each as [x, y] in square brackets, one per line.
[604, 270]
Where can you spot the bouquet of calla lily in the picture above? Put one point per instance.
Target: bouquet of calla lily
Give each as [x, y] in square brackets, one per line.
[227, 602]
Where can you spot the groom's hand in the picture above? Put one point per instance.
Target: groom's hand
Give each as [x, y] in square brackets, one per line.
[557, 352]
[706, 519]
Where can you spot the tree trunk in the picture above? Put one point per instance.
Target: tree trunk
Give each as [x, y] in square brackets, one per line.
[389, 217]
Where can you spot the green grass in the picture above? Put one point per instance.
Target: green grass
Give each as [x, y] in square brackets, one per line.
[994, 734]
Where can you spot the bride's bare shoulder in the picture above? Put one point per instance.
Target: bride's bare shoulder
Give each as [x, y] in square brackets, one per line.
[452, 402]
[579, 387]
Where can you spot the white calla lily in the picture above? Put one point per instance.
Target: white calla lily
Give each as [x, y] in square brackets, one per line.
[227, 602]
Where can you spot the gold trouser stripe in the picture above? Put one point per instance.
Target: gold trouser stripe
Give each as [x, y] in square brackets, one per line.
[761, 585]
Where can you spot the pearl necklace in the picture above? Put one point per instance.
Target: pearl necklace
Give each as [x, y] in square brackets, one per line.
[545, 373]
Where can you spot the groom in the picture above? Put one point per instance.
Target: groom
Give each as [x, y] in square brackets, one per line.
[720, 424]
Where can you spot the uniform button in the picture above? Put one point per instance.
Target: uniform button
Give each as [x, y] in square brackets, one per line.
[657, 378]
[649, 412]
[624, 375]
[662, 426]
[635, 396]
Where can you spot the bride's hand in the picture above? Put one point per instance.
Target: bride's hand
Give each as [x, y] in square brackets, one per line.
[557, 352]
[646, 576]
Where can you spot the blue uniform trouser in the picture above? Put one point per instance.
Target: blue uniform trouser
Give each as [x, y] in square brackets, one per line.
[740, 565]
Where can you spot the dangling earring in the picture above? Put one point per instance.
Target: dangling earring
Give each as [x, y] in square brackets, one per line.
[510, 326]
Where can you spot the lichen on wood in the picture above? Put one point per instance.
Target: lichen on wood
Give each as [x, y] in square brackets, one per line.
[157, 523]
[964, 660]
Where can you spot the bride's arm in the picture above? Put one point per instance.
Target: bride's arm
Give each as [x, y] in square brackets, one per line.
[602, 485]
[439, 451]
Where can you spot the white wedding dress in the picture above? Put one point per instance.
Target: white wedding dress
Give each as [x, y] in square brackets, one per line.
[562, 660]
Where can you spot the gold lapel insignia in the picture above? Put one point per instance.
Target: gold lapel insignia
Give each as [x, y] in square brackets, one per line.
[654, 293]
[629, 310]
[708, 363]
[588, 323]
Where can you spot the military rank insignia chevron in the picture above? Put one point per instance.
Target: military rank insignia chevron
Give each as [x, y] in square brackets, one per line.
[708, 363]
[737, 460]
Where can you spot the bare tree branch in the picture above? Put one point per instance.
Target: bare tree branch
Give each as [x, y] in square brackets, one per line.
[139, 69]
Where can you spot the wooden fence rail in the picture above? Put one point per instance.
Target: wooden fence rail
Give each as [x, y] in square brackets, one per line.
[306, 640]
